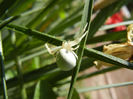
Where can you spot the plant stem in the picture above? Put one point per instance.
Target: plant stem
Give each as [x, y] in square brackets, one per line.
[2, 72]
[8, 20]
[85, 19]
[18, 67]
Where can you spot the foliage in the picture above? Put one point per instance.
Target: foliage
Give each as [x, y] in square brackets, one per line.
[26, 25]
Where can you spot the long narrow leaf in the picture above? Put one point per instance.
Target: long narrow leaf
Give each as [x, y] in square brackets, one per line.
[2, 72]
[85, 19]
[48, 73]
[43, 13]
[90, 75]
[106, 27]
[103, 15]
[108, 58]
[105, 86]
[5, 6]
[7, 21]
[88, 52]
[108, 37]
[37, 34]
[83, 90]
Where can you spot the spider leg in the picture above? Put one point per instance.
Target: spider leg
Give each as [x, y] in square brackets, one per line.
[49, 50]
[76, 41]
[75, 55]
[83, 32]
[76, 47]
[85, 27]
[53, 50]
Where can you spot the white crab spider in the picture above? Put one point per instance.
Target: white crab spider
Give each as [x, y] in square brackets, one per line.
[65, 56]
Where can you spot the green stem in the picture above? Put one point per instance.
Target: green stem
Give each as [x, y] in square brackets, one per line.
[19, 67]
[85, 19]
[2, 72]
[20, 78]
[105, 86]
[83, 90]
[8, 20]
[85, 76]
[19, 72]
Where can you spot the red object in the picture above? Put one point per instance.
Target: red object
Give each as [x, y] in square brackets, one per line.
[116, 18]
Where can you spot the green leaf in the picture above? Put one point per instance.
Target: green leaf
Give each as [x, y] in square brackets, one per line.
[102, 16]
[108, 58]
[108, 37]
[53, 16]
[30, 43]
[5, 6]
[88, 52]
[75, 94]
[85, 76]
[43, 13]
[36, 34]
[85, 20]
[2, 73]
[50, 73]
[44, 90]
[7, 21]
[106, 27]
[22, 5]
[35, 62]
[67, 22]
[83, 90]
[105, 86]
